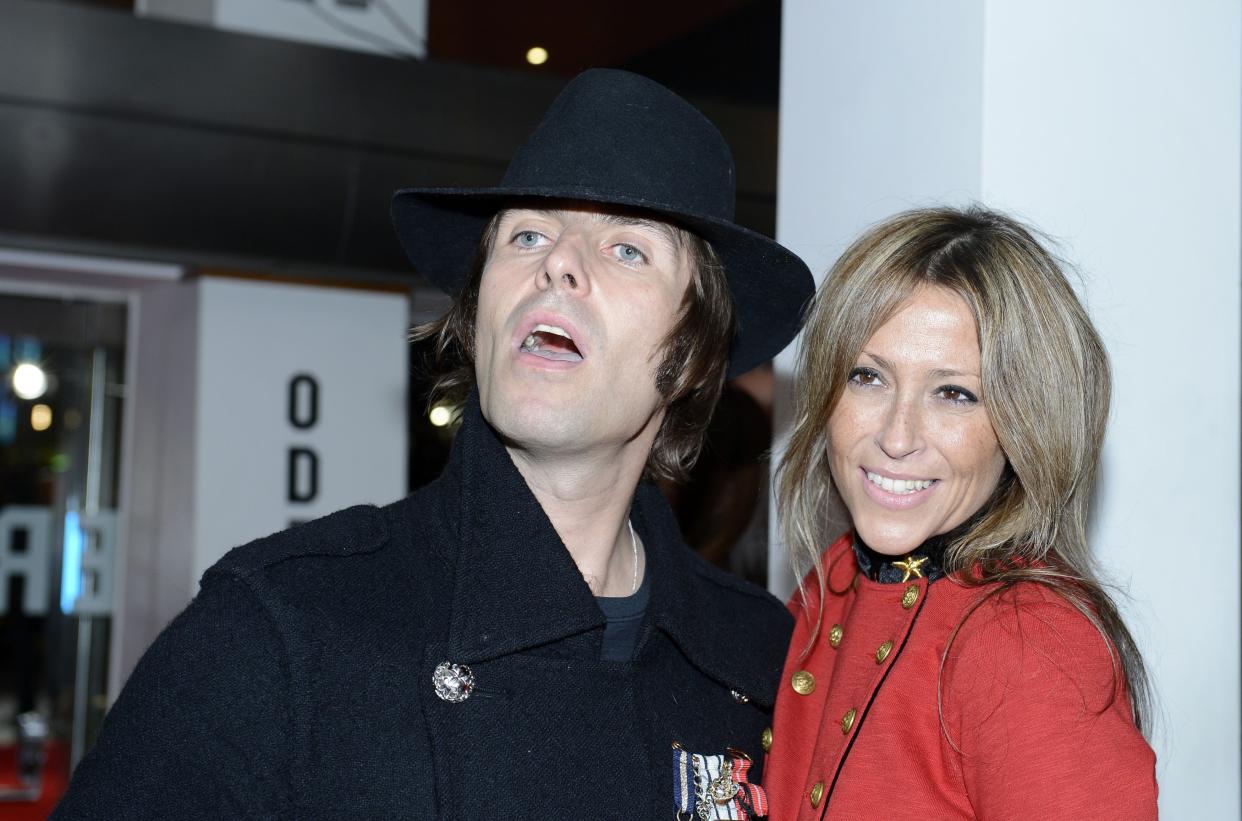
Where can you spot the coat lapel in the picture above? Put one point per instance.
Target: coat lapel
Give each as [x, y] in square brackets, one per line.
[687, 604]
[516, 586]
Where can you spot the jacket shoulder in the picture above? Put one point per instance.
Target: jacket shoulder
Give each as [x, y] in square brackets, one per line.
[836, 567]
[733, 586]
[1027, 640]
[750, 604]
[1031, 685]
[733, 630]
[351, 531]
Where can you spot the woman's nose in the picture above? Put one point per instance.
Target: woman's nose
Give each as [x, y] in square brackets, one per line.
[902, 431]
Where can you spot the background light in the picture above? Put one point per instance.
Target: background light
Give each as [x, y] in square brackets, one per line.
[537, 55]
[71, 569]
[29, 381]
[40, 417]
[440, 416]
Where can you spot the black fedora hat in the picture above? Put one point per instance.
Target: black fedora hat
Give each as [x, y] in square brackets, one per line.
[617, 138]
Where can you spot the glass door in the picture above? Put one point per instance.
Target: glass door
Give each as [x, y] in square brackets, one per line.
[62, 389]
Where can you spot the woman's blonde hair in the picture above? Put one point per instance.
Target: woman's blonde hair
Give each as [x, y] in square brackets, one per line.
[1046, 387]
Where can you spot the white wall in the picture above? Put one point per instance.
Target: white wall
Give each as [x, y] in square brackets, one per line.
[874, 119]
[1114, 126]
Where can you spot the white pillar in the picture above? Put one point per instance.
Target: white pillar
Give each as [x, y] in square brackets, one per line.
[1113, 126]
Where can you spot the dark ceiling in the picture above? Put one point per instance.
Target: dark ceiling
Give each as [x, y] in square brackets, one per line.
[140, 137]
[727, 49]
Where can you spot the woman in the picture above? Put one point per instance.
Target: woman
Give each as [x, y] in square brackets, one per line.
[955, 655]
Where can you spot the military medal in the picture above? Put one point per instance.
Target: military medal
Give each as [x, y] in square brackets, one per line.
[709, 787]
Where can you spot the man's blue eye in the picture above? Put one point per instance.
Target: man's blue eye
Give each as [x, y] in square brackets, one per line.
[528, 239]
[628, 253]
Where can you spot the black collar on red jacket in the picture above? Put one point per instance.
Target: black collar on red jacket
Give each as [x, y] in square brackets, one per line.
[928, 558]
[516, 586]
[886, 569]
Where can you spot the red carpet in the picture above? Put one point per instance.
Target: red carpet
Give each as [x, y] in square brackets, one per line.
[55, 778]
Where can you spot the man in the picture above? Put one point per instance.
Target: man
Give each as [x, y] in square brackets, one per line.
[527, 637]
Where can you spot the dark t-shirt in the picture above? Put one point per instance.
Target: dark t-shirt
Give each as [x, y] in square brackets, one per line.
[625, 619]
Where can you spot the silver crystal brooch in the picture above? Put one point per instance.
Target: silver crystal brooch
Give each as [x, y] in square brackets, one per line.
[453, 682]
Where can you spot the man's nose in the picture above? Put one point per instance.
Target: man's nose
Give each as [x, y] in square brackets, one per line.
[565, 268]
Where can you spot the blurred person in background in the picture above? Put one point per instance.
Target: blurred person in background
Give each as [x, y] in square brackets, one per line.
[527, 636]
[955, 654]
[722, 509]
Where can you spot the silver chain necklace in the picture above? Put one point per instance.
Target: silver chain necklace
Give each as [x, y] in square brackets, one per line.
[634, 547]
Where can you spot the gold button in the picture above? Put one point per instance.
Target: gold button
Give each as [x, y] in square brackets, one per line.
[835, 634]
[766, 739]
[803, 683]
[882, 652]
[911, 596]
[847, 721]
[817, 794]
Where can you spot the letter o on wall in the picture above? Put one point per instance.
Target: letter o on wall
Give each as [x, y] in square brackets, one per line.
[303, 401]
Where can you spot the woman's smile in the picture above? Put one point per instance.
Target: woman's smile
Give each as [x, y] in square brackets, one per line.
[896, 494]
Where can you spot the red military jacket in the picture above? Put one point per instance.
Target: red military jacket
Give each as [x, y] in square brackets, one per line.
[1022, 717]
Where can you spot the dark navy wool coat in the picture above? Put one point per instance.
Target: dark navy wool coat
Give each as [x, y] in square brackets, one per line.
[298, 683]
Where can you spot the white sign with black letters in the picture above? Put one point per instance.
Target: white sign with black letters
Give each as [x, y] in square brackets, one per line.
[302, 396]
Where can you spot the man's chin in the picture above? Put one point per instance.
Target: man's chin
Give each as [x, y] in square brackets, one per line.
[535, 425]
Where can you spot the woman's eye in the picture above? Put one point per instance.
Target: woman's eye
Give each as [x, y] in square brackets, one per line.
[865, 376]
[628, 253]
[956, 395]
[528, 239]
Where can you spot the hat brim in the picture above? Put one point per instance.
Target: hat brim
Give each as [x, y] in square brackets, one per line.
[440, 228]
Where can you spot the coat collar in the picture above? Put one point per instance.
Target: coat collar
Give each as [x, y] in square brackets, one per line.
[516, 586]
[735, 633]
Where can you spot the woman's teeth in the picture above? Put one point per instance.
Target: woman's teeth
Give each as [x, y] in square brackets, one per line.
[899, 486]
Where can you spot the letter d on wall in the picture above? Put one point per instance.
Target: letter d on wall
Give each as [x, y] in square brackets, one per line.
[303, 480]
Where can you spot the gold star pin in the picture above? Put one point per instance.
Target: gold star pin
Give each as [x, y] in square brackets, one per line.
[911, 566]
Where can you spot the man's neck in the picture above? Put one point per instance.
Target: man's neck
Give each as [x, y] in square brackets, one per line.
[587, 498]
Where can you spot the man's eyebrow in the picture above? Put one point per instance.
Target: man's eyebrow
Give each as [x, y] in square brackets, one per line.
[669, 232]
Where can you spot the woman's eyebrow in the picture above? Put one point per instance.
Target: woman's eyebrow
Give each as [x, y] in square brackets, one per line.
[880, 361]
[943, 373]
[937, 373]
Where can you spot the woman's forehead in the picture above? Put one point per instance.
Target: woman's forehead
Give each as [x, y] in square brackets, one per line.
[933, 328]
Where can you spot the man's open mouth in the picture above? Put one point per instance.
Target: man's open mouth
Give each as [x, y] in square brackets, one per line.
[551, 342]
